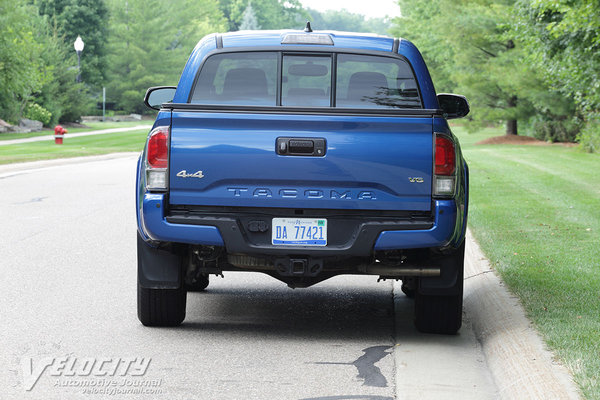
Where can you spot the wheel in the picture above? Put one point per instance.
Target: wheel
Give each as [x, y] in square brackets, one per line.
[198, 283]
[442, 312]
[161, 307]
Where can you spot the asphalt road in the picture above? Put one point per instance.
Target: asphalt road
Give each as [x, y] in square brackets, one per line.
[70, 330]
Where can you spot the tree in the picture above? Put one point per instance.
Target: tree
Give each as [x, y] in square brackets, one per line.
[416, 24]
[225, 7]
[36, 70]
[150, 41]
[249, 22]
[480, 57]
[482, 63]
[562, 39]
[60, 94]
[381, 26]
[270, 14]
[85, 18]
[21, 71]
[343, 20]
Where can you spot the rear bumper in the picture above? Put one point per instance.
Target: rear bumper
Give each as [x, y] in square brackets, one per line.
[157, 228]
[369, 235]
[439, 235]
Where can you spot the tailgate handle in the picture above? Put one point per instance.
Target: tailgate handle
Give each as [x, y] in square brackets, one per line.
[314, 147]
[302, 146]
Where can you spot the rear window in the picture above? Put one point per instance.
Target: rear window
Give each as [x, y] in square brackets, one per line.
[243, 79]
[360, 81]
[306, 81]
[375, 82]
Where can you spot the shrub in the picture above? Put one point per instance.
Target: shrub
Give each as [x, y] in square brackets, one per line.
[37, 113]
[556, 129]
[589, 137]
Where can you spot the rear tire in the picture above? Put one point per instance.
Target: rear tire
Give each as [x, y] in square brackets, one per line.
[161, 307]
[442, 313]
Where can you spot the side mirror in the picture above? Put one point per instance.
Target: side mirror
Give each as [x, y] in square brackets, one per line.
[453, 105]
[157, 95]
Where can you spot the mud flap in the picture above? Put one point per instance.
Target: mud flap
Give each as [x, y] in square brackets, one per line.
[157, 268]
[451, 268]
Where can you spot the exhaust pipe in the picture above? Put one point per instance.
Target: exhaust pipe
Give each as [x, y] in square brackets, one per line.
[390, 271]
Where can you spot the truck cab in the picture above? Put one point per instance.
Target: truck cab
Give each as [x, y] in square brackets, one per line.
[303, 155]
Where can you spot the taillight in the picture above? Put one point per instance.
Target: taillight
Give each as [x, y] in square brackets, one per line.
[445, 158]
[445, 166]
[158, 151]
[157, 158]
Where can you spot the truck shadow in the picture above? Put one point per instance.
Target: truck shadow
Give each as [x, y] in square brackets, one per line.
[345, 308]
[341, 308]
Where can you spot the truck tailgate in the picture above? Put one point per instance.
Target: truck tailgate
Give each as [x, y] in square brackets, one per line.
[371, 162]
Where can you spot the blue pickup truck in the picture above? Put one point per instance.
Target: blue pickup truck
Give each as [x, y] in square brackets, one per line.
[303, 155]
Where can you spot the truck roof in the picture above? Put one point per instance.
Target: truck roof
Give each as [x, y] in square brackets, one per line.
[349, 40]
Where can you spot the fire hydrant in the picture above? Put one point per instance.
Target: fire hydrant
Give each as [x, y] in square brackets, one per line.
[59, 132]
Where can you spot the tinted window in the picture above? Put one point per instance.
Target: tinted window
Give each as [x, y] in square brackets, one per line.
[375, 82]
[306, 81]
[362, 81]
[238, 79]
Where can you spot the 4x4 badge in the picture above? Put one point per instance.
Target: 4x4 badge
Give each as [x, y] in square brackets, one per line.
[184, 174]
[416, 179]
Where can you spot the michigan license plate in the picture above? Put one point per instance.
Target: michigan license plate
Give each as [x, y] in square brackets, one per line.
[299, 231]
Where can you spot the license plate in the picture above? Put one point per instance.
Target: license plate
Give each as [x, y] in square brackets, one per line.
[299, 231]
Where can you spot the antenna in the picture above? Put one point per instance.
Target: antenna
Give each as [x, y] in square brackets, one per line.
[308, 28]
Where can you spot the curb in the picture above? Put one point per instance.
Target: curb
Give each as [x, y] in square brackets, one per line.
[521, 365]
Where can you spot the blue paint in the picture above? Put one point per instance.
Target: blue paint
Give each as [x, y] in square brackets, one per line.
[437, 236]
[157, 227]
[369, 161]
[367, 164]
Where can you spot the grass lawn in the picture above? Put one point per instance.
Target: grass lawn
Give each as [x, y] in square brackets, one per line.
[535, 210]
[93, 126]
[74, 147]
